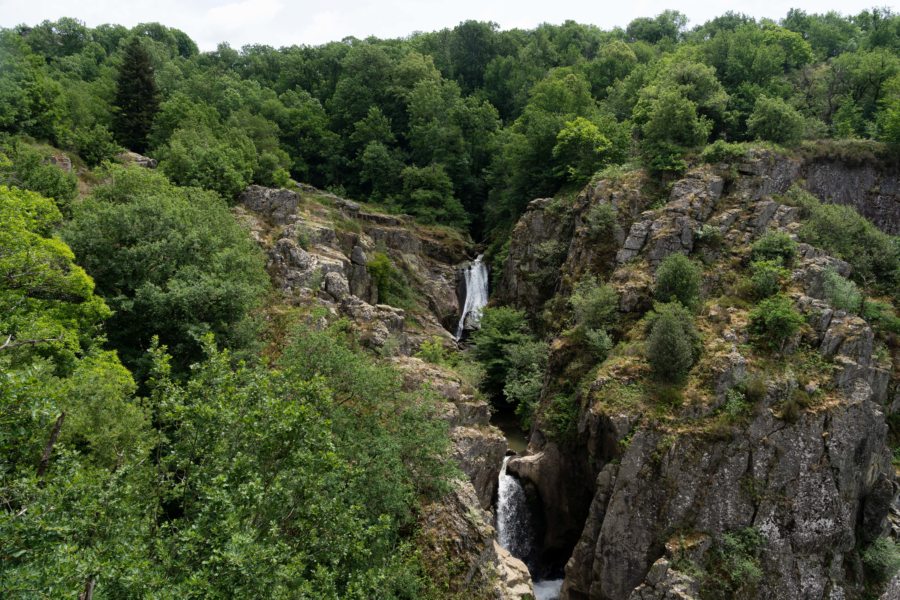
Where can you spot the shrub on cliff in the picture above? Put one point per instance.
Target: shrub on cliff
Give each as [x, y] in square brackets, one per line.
[673, 343]
[841, 293]
[678, 278]
[766, 277]
[777, 246]
[774, 321]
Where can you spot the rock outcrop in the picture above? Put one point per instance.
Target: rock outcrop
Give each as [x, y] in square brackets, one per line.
[319, 246]
[806, 466]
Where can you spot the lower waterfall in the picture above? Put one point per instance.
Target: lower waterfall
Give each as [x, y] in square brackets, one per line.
[515, 531]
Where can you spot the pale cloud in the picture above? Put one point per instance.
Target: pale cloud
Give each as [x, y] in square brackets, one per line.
[287, 22]
[238, 15]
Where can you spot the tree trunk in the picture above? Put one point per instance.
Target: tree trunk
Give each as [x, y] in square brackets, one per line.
[48, 449]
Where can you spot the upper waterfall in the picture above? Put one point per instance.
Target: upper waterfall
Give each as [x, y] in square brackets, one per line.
[476, 275]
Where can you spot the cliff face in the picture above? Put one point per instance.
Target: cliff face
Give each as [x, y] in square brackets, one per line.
[644, 496]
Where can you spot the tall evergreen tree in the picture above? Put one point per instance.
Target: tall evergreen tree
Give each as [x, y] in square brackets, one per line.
[137, 98]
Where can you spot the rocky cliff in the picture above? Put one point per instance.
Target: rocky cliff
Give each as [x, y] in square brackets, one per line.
[648, 496]
[319, 249]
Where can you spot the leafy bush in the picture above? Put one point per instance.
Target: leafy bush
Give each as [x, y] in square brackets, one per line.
[393, 288]
[774, 321]
[599, 343]
[843, 232]
[767, 277]
[841, 293]
[733, 566]
[736, 404]
[721, 151]
[433, 351]
[775, 120]
[580, 150]
[777, 246]
[171, 262]
[219, 161]
[501, 327]
[560, 418]
[28, 168]
[601, 221]
[882, 559]
[527, 362]
[882, 315]
[94, 145]
[673, 342]
[594, 305]
[678, 278]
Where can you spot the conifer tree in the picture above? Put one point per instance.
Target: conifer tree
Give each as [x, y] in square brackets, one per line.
[137, 98]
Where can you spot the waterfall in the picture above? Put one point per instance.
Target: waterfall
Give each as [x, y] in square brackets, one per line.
[476, 275]
[513, 523]
[515, 532]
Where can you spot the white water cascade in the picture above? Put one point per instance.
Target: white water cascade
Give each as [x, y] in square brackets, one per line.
[476, 275]
[514, 529]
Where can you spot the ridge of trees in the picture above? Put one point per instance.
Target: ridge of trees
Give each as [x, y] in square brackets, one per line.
[463, 125]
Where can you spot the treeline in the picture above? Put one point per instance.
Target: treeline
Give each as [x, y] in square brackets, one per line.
[460, 126]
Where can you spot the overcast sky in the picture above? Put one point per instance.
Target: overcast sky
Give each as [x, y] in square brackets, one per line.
[283, 22]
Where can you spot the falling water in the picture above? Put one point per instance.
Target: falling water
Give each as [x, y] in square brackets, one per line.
[515, 532]
[513, 525]
[476, 275]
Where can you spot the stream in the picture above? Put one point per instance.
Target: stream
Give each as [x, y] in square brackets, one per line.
[515, 528]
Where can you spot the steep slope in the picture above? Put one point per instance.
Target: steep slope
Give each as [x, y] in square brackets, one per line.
[654, 482]
[325, 255]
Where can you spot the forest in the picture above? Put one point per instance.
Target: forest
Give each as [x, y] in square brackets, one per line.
[163, 435]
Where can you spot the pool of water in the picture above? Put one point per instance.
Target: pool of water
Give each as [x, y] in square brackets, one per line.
[506, 422]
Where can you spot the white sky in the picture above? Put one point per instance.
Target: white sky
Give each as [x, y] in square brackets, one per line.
[283, 22]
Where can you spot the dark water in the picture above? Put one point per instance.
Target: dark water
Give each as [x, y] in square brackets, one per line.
[506, 422]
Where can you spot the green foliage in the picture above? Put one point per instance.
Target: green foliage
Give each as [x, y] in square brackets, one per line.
[841, 293]
[843, 232]
[882, 559]
[95, 144]
[27, 167]
[198, 157]
[767, 278]
[594, 305]
[137, 97]
[393, 288]
[170, 261]
[736, 404]
[500, 327]
[673, 343]
[580, 150]
[775, 246]
[47, 302]
[774, 120]
[733, 569]
[601, 221]
[524, 379]
[433, 351]
[721, 151]
[678, 278]
[560, 418]
[428, 195]
[774, 321]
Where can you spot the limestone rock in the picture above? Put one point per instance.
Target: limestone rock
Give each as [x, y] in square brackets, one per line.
[277, 205]
[514, 579]
[134, 158]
